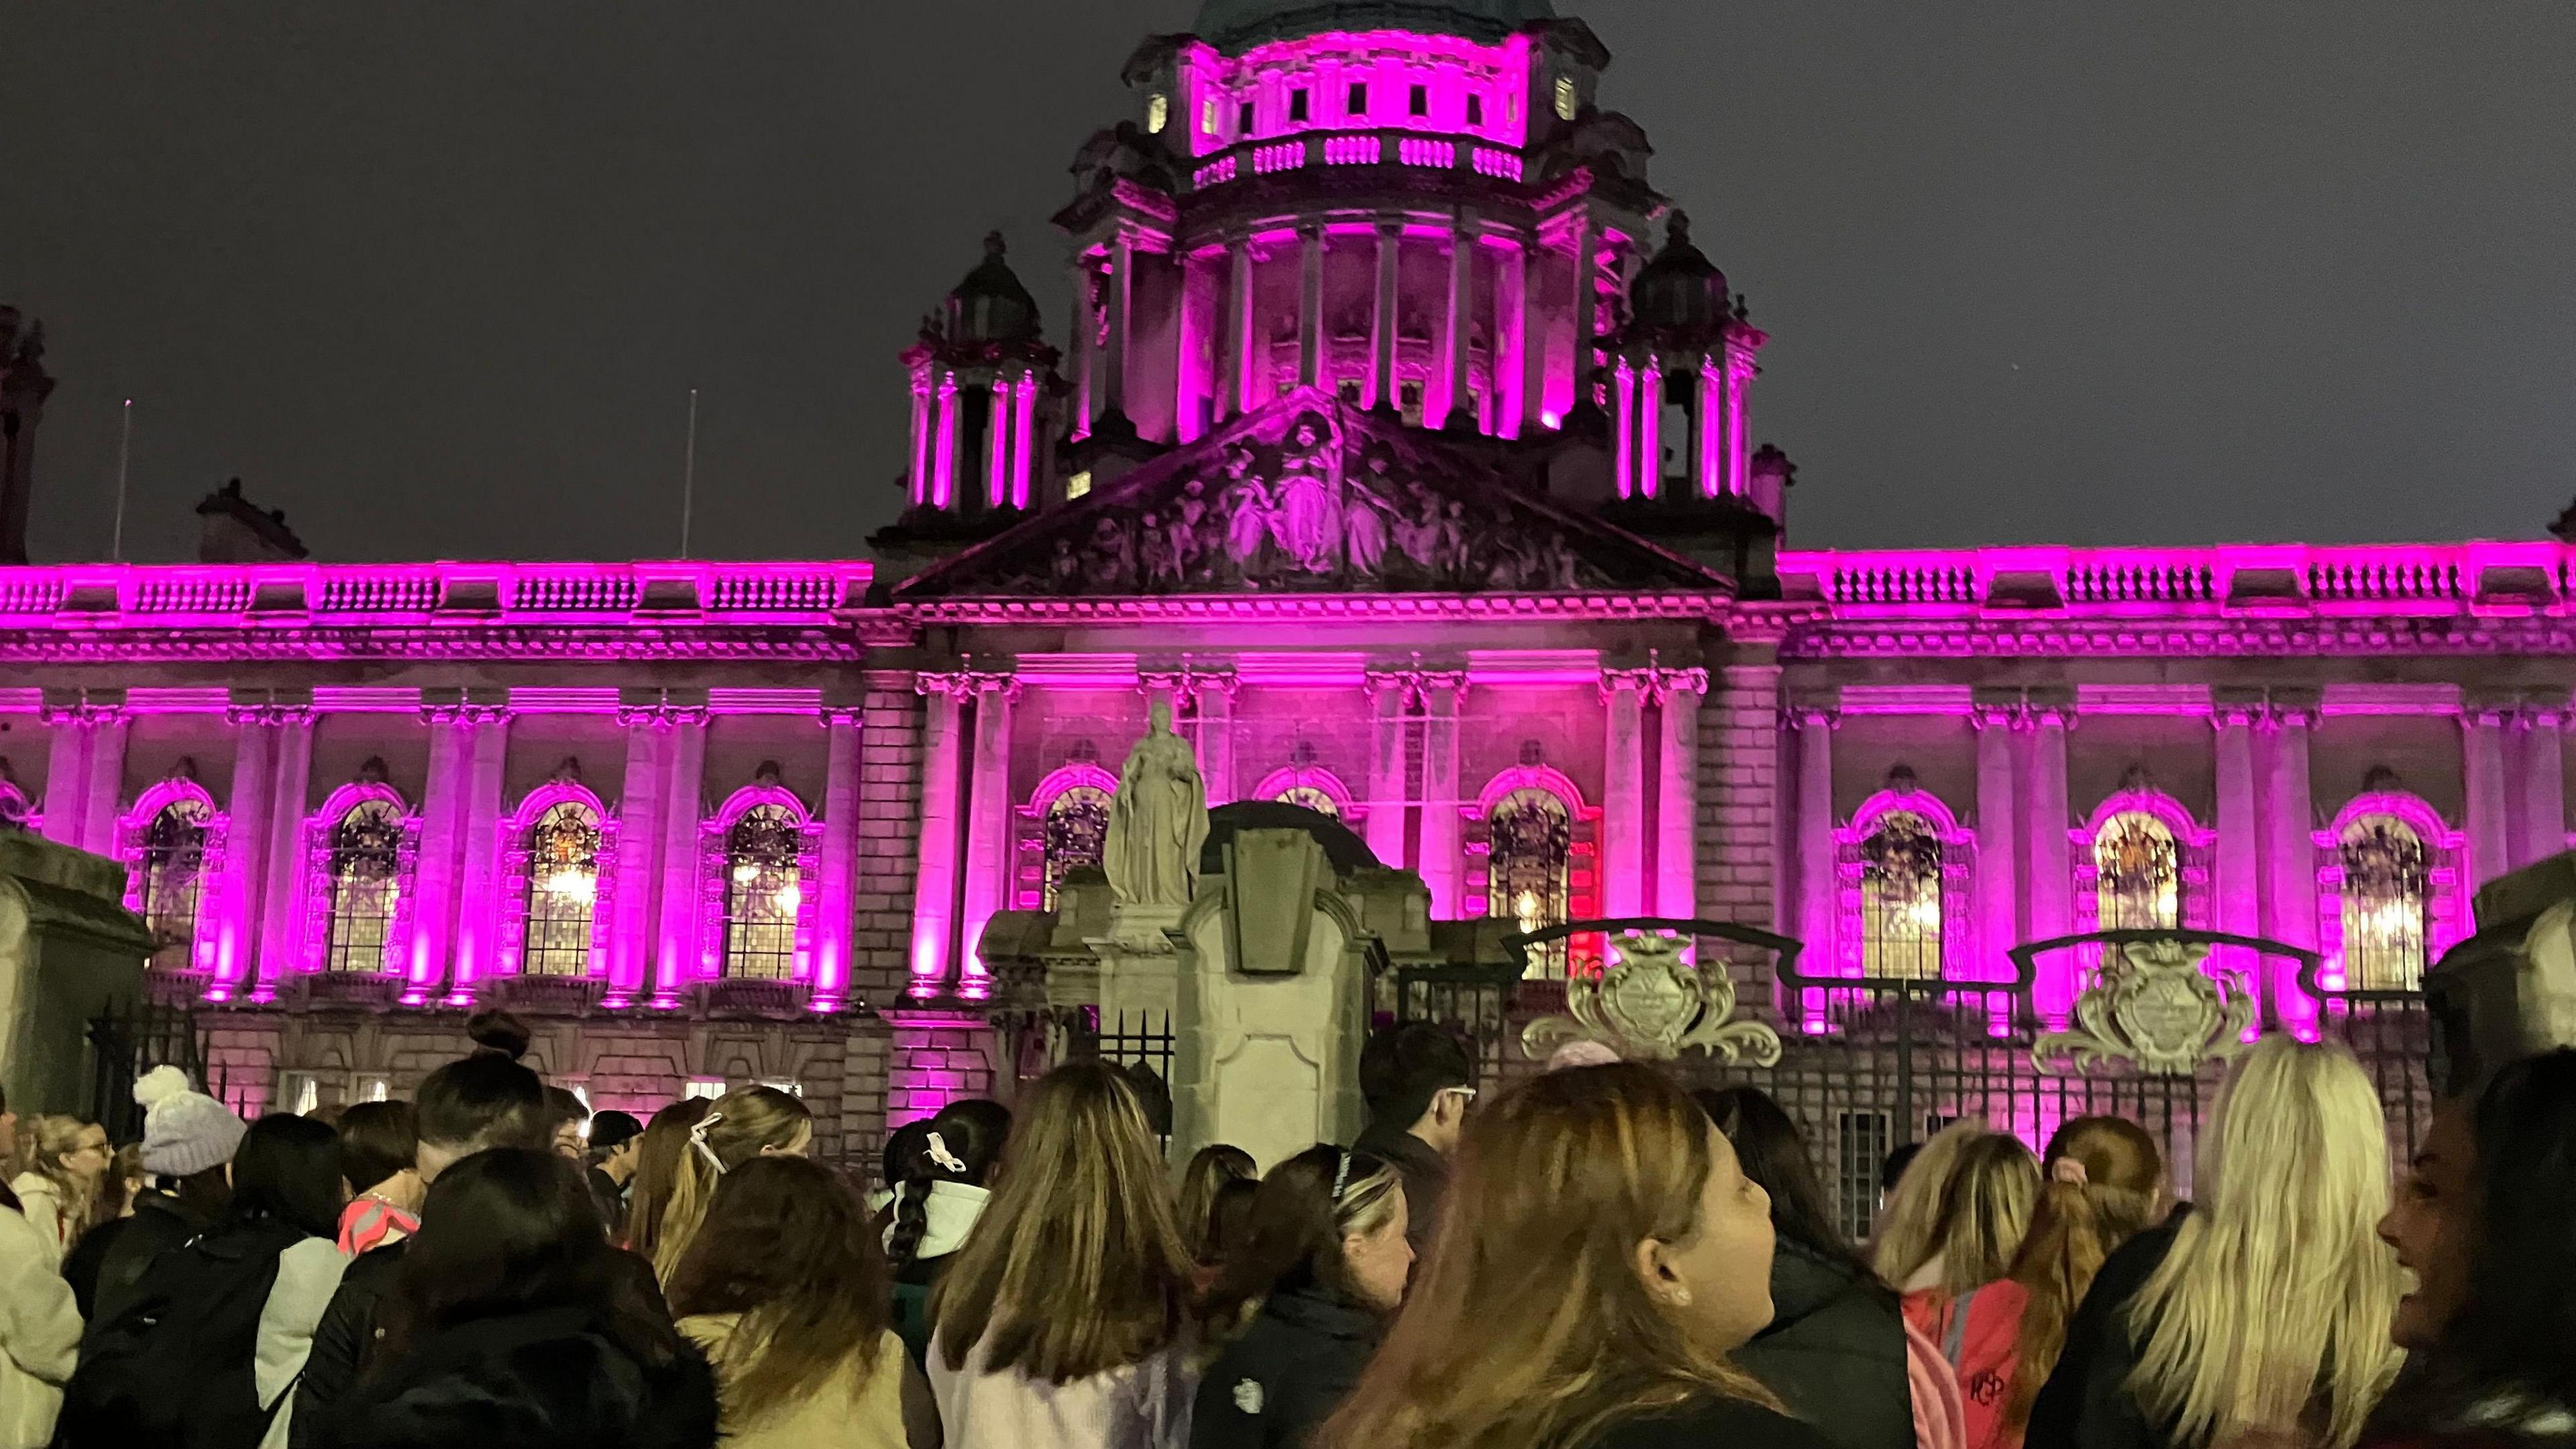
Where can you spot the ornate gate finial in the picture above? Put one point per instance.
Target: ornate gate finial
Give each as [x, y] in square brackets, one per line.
[1652, 1006]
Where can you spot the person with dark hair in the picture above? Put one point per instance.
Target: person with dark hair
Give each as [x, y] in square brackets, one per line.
[1835, 1349]
[568, 1124]
[378, 1141]
[1304, 1302]
[1210, 1169]
[786, 1291]
[40, 1328]
[1417, 1081]
[207, 1344]
[2482, 1221]
[188, 1144]
[472, 1104]
[944, 1189]
[616, 1140]
[1229, 1228]
[892, 1159]
[512, 1324]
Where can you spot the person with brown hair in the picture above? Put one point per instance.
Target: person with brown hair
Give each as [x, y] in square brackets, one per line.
[1210, 1169]
[943, 1189]
[188, 1143]
[1325, 1267]
[1417, 1081]
[378, 1141]
[738, 1126]
[1985, 1210]
[786, 1291]
[657, 1167]
[1061, 1324]
[1602, 1257]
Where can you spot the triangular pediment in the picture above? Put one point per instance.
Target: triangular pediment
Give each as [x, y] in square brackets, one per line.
[1313, 496]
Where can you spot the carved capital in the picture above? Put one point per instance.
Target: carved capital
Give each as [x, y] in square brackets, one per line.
[1615, 682]
[1671, 684]
[1392, 687]
[2236, 708]
[2295, 708]
[990, 685]
[944, 686]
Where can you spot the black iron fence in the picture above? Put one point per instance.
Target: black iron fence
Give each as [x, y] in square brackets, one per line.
[127, 1041]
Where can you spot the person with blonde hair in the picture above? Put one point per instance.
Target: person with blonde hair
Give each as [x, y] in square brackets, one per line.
[2265, 1309]
[1062, 1323]
[657, 1168]
[744, 1124]
[1984, 1211]
[58, 1166]
[1904, 1237]
[1601, 1256]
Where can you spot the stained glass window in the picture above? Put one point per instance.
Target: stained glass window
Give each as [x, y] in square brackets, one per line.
[2386, 894]
[2138, 874]
[1900, 898]
[366, 884]
[764, 891]
[1311, 798]
[1077, 830]
[173, 868]
[1530, 845]
[563, 890]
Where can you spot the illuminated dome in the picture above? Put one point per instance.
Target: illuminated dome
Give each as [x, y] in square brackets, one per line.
[1236, 23]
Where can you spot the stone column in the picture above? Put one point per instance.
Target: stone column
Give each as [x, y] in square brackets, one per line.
[1623, 427]
[442, 823]
[1310, 305]
[997, 444]
[1024, 415]
[934, 910]
[1122, 290]
[1740, 372]
[836, 873]
[1242, 317]
[2290, 853]
[1677, 794]
[1819, 884]
[1216, 736]
[66, 771]
[281, 931]
[676, 948]
[943, 467]
[1710, 468]
[1996, 717]
[1624, 887]
[2543, 772]
[2048, 854]
[1389, 695]
[1197, 354]
[1586, 303]
[105, 795]
[1442, 696]
[639, 855]
[254, 795]
[478, 914]
[1650, 431]
[988, 820]
[2237, 868]
[1381, 390]
[1509, 361]
[1454, 330]
[1086, 331]
[2482, 743]
[920, 489]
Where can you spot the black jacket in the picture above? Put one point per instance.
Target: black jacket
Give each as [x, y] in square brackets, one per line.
[1275, 1385]
[2086, 1402]
[553, 1379]
[1425, 1174]
[1835, 1352]
[102, 1276]
[1713, 1424]
[340, 1344]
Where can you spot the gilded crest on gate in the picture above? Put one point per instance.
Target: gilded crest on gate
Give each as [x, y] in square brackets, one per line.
[1651, 1005]
[2154, 1005]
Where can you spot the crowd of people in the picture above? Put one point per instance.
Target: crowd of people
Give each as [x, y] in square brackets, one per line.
[1593, 1258]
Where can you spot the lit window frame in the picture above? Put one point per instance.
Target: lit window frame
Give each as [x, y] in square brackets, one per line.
[517, 868]
[715, 875]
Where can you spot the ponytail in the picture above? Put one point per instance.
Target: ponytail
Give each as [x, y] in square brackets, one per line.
[911, 1221]
[2103, 1180]
[739, 1127]
[963, 1145]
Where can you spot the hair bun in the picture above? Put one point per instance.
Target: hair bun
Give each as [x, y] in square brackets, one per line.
[497, 1033]
[159, 1085]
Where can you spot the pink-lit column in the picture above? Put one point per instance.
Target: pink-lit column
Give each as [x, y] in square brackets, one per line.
[920, 480]
[1819, 888]
[1388, 696]
[1510, 360]
[1998, 828]
[1442, 697]
[1711, 467]
[2543, 771]
[988, 822]
[1623, 426]
[2238, 859]
[1201, 301]
[943, 467]
[105, 795]
[2482, 739]
[1740, 370]
[1650, 431]
[1381, 390]
[934, 887]
[639, 839]
[1216, 735]
[1677, 794]
[2289, 853]
[676, 948]
[478, 910]
[1623, 802]
[2047, 850]
[1310, 305]
[997, 444]
[1114, 338]
[66, 773]
[281, 930]
[1242, 328]
[442, 822]
[836, 873]
[1454, 360]
[254, 794]
[1024, 411]
[1586, 306]
[1086, 334]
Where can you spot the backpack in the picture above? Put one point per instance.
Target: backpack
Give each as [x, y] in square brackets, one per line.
[1940, 1419]
[172, 1367]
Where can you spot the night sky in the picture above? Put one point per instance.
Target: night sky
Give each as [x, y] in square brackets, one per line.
[437, 279]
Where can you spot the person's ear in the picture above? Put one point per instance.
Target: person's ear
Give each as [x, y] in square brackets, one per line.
[1654, 1267]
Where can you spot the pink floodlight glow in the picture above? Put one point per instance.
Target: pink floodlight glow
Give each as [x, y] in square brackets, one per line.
[1623, 464]
[1468, 90]
[1024, 404]
[943, 468]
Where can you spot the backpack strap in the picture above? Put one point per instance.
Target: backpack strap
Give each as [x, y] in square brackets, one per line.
[1954, 1330]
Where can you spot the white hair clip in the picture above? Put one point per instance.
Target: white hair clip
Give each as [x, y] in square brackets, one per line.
[698, 1140]
[943, 1159]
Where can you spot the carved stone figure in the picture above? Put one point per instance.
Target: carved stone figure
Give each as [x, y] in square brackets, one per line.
[1306, 518]
[1158, 822]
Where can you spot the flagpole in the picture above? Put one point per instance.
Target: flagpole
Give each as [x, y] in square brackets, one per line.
[124, 451]
[689, 475]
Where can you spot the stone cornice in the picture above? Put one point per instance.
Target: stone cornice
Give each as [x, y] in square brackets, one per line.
[2195, 639]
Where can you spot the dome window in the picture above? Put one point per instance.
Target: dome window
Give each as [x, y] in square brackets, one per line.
[1359, 100]
[1158, 112]
[1566, 99]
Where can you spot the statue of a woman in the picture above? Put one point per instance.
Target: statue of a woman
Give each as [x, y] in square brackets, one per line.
[1159, 822]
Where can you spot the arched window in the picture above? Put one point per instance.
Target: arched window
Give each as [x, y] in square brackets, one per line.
[1311, 787]
[2387, 903]
[1901, 905]
[1307, 797]
[2137, 865]
[562, 900]
[171, 876]
[1529, 837]
[1076, 832]
[764, 892]
[364, 874]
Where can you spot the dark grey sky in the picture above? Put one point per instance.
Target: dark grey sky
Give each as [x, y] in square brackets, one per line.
[436, 278]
